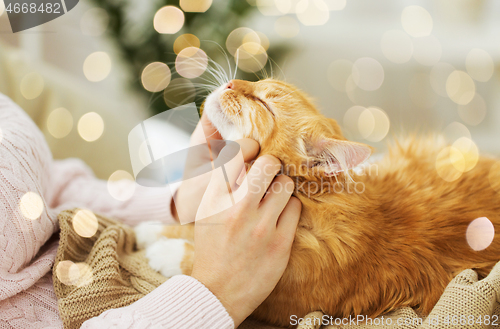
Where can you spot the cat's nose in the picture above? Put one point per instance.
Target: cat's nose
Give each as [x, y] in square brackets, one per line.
[230, 85]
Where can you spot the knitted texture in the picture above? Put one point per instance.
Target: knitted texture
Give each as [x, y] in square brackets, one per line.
[119, 276]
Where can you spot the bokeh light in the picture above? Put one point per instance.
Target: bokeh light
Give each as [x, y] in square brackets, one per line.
[474, 112]
[195, 6]
[312, 12]
[184, 41]
[439, 74]
[31, 205]
[238, 37]
[272, 7]
[121, 185]
[74, 274]
[367, 74]
[336, 4]
[94, 22]
[97, 66]
[338, 72]
[480, 233]
[397, 46]
[421, 92]
[351, 120]
[287, 27]
[156, 76]
[479, 65]
[180, 91]
[168, 20]
[373, 124]
[469, 152]
[447, 162]
[494, 176]
[85, 223]
[32, 85]
[427, 50]
[264, 40]
[460, 87]
[456, 130]
[416, 21]
[251, 57]
[191, 62]
[284, 6]
[351, 89]
[90, 126]
[60, 122]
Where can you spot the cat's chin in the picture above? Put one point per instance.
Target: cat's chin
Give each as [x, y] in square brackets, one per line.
[218, 118]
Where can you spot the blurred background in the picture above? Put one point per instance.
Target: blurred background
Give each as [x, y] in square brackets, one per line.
[380, 68]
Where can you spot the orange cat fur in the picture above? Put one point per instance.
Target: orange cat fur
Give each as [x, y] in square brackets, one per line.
[398, 242]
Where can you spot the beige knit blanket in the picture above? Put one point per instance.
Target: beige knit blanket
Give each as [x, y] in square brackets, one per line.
[92, 275]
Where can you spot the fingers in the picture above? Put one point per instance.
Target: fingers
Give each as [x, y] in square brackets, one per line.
[279, 193]
[289, 219]
[261, 175]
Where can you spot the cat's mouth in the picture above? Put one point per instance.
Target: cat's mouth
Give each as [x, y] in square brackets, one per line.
[217, 115]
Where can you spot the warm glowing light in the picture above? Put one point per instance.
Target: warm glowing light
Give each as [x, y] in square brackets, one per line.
[74, 274]
[85, 223]
[469, 152]
[32, 85]
[238, 37]
[416, 21]
[439, 74]
[420, 91]
[272, 7]
[427, 50]
[94, 22]
[168, 20]
[367, 74]
[287, 27]
[90, 126]
[474, 112]
[351, 120]
[191, 62]
[195, 6]
[351, 89]
[251, 57]
[479, 65]
[456, 130]
[184, 41]
[264, 40]
[460, 87]
[60, 122]
[31, 205]
[336, 4]
[179, 92]
[494, 176]
[373, 124]
[121, 185]
[447, 162]
[284, 6]
[156, 77]
[338, 73]
[97, 66]
[480, 233]
[397, 46]
[312, 12]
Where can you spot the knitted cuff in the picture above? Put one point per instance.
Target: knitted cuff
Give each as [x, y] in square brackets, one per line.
[183, 302]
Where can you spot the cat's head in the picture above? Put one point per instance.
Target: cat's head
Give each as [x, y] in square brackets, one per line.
[286, 124]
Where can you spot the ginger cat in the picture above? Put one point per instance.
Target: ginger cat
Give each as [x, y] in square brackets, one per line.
[396, 242]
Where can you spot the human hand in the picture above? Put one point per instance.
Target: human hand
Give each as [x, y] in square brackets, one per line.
[242, 252]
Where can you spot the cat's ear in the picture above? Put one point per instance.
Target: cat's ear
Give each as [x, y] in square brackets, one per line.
[335, 156]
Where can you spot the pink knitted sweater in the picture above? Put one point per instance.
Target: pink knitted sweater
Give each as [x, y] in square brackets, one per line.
[28, 246]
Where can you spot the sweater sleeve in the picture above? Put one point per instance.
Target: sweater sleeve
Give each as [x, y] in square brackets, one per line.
[180, 303]
[74, 185]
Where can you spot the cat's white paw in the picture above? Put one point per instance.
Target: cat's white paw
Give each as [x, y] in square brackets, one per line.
[147, 233]
[166, 255]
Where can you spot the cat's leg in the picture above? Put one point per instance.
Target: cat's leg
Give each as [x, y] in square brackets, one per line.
[171, 256]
